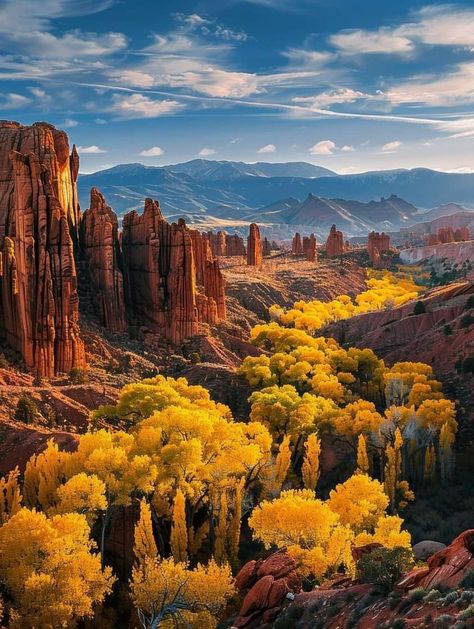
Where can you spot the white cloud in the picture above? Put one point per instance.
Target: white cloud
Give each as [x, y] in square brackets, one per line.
[391, 147]
[13, 101]
[441, 25]
[140, 106]
[332, 97]
[347, 148]
[93, 149]
[382, 41]
[268, 148]
[100, 121]
[69, 123]
[325, 147]
[134, 78]
[453, 88]
[206, 152]
[154, 151]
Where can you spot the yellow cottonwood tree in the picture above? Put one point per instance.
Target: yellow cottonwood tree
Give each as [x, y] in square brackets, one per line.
[179, 535]
[310, 469]
[144, 541]
[49, 569]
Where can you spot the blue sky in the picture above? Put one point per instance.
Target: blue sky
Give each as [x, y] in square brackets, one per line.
[351, 85]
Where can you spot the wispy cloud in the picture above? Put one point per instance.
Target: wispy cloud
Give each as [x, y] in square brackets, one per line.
[325, 147]
[91, 150]
[13, 101]
[391, 147]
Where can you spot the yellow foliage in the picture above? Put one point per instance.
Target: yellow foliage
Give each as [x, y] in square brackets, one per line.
[179, 535]
[164, 589]
[357, 418]
[81, 494]
[144, 541]
[49, 570]
[362, 457]
[10, 496]
[359, 501]
[310, 469]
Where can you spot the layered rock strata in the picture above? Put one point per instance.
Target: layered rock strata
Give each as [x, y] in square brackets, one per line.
[334, 243]
[39, 214]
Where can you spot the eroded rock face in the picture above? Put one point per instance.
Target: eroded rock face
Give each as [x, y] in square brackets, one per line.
[309, 247]
[235, 245]
[39, 214]
[266, 247]
[218, 243]
[446, 568]
[297, 245]
[377, 244]
[254, 246]
[100, 249]
[445, 235]
[268, 583]
[334, 243]
[172, 280]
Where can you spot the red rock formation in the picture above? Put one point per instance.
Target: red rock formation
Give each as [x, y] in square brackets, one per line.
[377, 244]
[309, 247]
[235, 245]
[269, 582]
[431, 239]
[254, 246]
[446, 568]
[100, 248]
[218, 243]
[297, 245]
[445, 234]
[462, 234]
[39, 212]
[211, 301]
[159, 273]
[266, 247]
[165, 267]
[334, 243]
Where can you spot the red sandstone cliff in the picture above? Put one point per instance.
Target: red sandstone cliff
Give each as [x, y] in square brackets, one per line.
[39, 213]
[334, 243]
[377, 244]
[100, 248]
[235, 245]
[297, 245]
[309, 247]
[254, 246]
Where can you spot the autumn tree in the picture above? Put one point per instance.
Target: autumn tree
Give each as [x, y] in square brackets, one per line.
[49, 569]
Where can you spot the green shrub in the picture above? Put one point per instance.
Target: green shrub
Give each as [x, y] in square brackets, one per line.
[78, 375]
[398, 623]
[26, 410]
[468, 580]
[419, 308]
[445, 621]
[470, 302]
[416, 595]
[384, 566]
[466, 613]
[432, 595]
[4, 364]
[447, 329]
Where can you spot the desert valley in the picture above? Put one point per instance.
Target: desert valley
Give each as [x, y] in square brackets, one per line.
[294, 411]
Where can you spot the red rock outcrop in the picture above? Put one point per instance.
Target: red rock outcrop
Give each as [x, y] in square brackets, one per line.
[100, 249]
[218, 243]
[297, 245]
[269, 582]
[254, 246]
[462, 234]
[266, 247]
[309, 247]
[446, 568]
[39, 314]
[445, 234]
[172, 281]
[211, 300]
[235, 245]
[159, 273]
[377, 244]
[334, 243]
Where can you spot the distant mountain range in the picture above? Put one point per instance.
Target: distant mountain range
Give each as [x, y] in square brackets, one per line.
[296, 194]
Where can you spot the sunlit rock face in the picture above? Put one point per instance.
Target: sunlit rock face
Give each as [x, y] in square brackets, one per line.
[39, 215]
[334, 243]
[101, 252]
[254, 246]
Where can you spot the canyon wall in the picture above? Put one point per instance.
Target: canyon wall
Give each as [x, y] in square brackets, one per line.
[39, 214]
[309, 247]
[102, 256]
